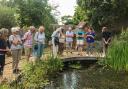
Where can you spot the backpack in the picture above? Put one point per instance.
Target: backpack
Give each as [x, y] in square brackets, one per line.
[56, 41]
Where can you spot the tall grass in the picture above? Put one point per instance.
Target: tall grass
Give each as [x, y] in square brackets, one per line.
[117, 55]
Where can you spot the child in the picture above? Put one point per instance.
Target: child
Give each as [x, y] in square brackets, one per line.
[90, 35]
[3, 48]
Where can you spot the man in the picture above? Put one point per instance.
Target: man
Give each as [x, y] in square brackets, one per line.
[55, 41]
[69, 40]
[106, 39]
[29, 42]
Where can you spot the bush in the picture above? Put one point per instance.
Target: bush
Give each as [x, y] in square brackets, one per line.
[117, 56]
[35, 76]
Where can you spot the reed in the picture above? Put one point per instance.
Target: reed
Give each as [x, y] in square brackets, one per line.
[117, 55]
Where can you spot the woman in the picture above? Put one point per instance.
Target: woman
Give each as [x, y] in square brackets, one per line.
[29, 42]
[55, 41]
[69, 40]
[16, 46]
[61, 42]
[3, 48]
[90, 39]
[80, 40]
[40, 42]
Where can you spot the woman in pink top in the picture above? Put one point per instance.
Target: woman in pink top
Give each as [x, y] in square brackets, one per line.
[29, 42]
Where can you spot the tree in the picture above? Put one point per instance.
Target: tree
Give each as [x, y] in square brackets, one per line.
[7, 18]
[104, 12]
[35, 12]
[80, 15]
[67, 20]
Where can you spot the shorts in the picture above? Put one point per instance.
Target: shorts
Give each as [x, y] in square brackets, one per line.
[80, 42]
[28, 51]
[68, 44]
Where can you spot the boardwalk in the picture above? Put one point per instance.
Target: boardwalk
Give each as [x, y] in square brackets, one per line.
[66, 57]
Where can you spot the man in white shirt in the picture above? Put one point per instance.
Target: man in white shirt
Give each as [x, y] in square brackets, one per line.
[69, 40]
[55, 41]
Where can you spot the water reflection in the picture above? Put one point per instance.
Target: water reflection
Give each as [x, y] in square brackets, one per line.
[68, 80]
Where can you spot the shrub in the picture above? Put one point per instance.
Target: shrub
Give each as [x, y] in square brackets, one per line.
[35, 76]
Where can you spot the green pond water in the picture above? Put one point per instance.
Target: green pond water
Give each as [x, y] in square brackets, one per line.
[89, 78]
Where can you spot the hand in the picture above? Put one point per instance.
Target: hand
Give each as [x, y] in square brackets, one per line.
[8, 50]
[106, 42]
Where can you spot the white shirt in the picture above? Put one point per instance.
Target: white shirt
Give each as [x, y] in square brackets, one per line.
[40, 37]
[13, 38]
[69, 39]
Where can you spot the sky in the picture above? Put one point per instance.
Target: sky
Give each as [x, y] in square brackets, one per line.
[66, 7]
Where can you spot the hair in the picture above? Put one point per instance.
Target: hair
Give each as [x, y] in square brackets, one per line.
[41, 27]
[104, 29]
[82, 25]
[31, 27]
[91, 28]
[62, 30]
[3, 33]
[14, 29]
[18, 28]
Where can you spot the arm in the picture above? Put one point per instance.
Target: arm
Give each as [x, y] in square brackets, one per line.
[36, 37]
[11, 40]
[54, 34]
[109, 38]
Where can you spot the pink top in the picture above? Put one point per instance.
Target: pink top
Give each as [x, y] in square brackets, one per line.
[28, 39]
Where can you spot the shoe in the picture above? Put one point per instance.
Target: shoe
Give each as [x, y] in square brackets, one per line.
[1, 73]
[14, 71]
[17, 71]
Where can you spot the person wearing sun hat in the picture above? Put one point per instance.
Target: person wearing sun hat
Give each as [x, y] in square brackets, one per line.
[55, 41]
[16, 46]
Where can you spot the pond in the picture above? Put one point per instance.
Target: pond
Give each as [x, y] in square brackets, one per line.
[92, 77]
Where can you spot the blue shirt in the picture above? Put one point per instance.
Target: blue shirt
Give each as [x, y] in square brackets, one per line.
[3, 45]
[90, 37]
[80, 33]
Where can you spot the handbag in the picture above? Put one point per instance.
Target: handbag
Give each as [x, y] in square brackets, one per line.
[36, 46]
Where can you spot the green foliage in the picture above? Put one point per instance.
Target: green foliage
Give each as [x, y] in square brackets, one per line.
[80, 15]
[117, 57]
[104, 12]
[35, 76]
[4, 86]
[35, 12]
[53, 65]
[7, 18]
[67, 20]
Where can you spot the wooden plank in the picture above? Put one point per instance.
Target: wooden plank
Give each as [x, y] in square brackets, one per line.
[80, 59]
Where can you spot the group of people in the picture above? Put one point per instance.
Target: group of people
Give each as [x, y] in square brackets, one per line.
[33, 42]
[81, 36]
